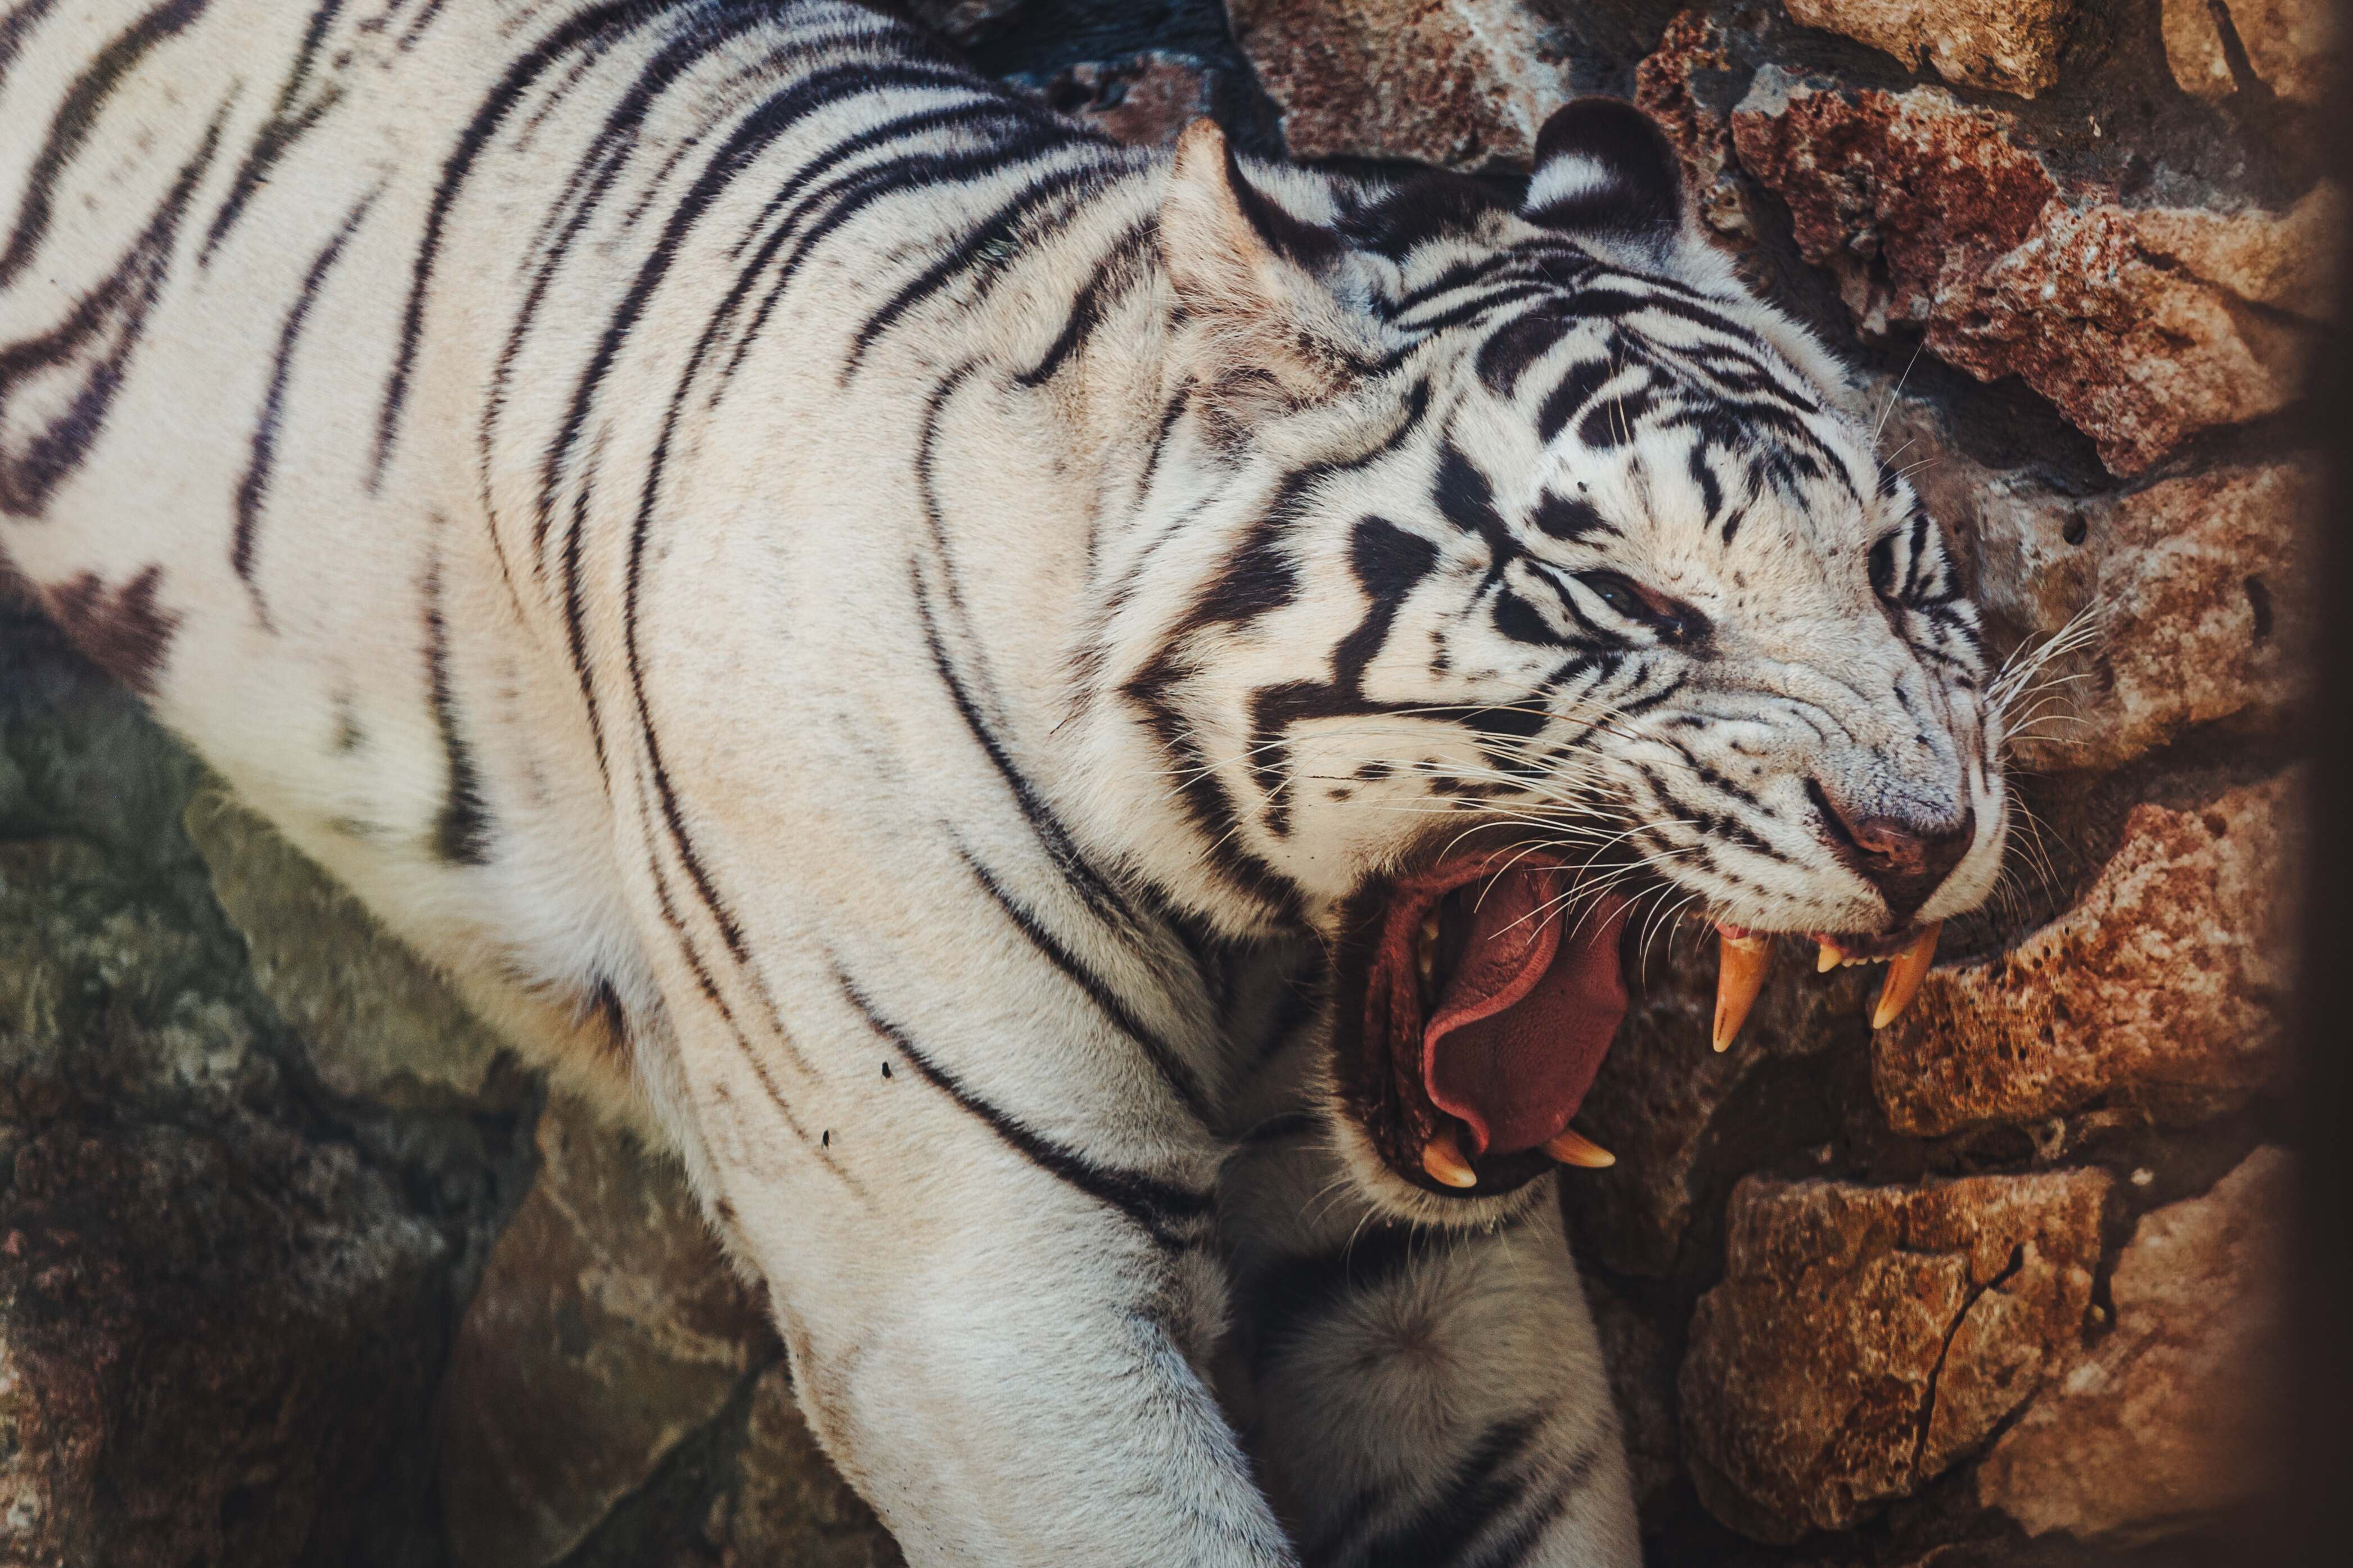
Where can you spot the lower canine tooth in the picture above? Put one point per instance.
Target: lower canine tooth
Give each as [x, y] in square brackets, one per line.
[1904, 972]
[1575, 1149]
[1740, 965]
[1442, 1158]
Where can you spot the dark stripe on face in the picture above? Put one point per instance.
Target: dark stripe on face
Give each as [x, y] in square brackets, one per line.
[1517, 345]
[461, 833]
[1577, 388]
[1166, 1213]
[78, 117]
[1166, 1060]
[254, 487]
[1567, 519]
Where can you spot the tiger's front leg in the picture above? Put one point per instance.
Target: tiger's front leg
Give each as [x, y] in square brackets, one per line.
[1416, 1394]
[995, 1327]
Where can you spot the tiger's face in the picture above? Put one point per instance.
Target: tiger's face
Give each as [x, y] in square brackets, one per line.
[1558, 594]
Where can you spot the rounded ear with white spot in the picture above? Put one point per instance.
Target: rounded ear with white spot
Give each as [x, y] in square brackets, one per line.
[1605, 170]
[1266, 331]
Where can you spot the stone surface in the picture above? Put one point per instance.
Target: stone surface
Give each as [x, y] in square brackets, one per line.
[2291, 46]
[963, 19]
[1145, 101]
[1666, 85]
[2197, 592]
[1456, 82]
[1642, 1384]
[607, 1329]
[2011, 46]
[2143, 326]
[219, 1331]
[2164, 987]
[386, 1027]
[2173, 1414]
[1683, 1119]
[1865, 1338]
[788, 1508]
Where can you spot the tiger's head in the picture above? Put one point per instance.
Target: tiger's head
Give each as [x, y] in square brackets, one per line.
[1513, 574]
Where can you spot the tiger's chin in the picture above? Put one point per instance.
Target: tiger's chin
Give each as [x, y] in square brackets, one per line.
[1476, 1000]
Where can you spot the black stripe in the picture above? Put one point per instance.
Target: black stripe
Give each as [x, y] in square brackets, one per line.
[286, 126]
[84, 101]
[1165, 1058]
[41, 461]
[988, 248]
[1482, 1488]
[254, 486]
[461, 831]
[1115, 273]
[582, 29]
[1165, 1211]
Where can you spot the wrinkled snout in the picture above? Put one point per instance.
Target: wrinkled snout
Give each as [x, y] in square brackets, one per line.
[1904, 851]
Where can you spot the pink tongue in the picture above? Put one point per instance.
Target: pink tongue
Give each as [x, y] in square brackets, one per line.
[1527, 1015]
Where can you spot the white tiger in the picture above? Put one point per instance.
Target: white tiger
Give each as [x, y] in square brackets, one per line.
[1076, 727]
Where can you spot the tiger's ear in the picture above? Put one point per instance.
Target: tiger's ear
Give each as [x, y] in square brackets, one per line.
[1266, 328]
[1605, 170]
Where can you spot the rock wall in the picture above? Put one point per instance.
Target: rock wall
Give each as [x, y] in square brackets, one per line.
[296, 1268]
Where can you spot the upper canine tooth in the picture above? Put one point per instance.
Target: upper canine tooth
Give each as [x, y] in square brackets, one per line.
[1827, 959]
[1441, 1157]
[1572, 1148]
[1904, 972]
[1740, 965]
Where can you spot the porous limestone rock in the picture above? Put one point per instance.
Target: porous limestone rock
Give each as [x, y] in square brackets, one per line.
[1460, 83]
[1667, 87]
[2164, 987]
[2291, 46]
[2174, 1413]
[2135, 322]
[1866, 1338]
[607, 1327]
[2010, 46]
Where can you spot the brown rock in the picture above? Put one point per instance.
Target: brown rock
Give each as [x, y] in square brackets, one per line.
[2176, 1412]
[2011, 46]
[1642, 1385]
[1145, 101]
[1692, 45]
[1682, 1118]
[788, 1508]
[2106, 311]
[380, 1025]
[1865, 1338]
[2164, 985]
[2291, 46]
[1458, 82]
[1902, 196]
[608, 1327]
[2135, 322]
[2196, 591]
[217, 1339]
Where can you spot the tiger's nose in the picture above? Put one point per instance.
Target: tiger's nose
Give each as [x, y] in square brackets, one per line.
[1906, 860]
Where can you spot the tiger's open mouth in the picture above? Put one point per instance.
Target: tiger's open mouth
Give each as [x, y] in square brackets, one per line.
[1482, 995]
[1479, 997]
